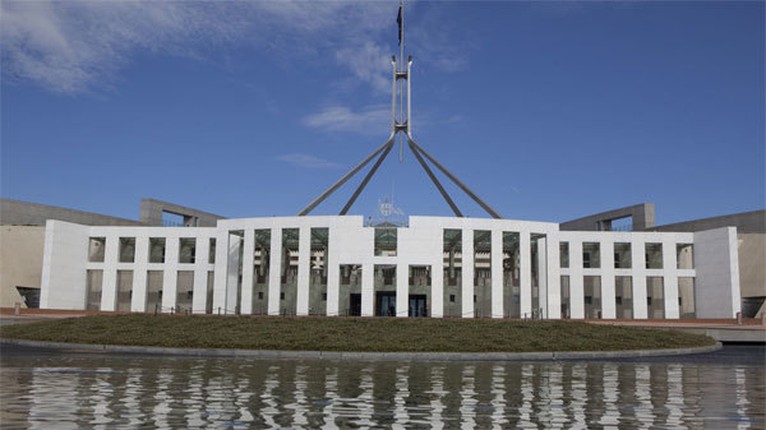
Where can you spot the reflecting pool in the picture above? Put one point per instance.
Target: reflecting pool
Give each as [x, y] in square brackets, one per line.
[48, 389]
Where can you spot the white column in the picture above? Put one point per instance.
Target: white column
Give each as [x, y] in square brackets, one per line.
[275, 270]
[608, 299]
[402, 290]
[716, 260]
[437, 284]
[199, 298]
[138, 300]
[576, 289]
[553, 277]
[497, 273]
[368, 289]
[304, 269]
[109, 279]
[467, 305]
[246, 301]
[526, 274]
[232, 278]
[333, 276]
[670, 279]
[542, 274]
[637, 250]
[221, 270]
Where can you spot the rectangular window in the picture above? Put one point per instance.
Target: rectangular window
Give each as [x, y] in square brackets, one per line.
[685, 256]
[187, 250]
[655, 296]
[511, 274]
[622, 255]
[261, 267]
[127, 249]
[211, 252]
[210, 290]
[565, 300]
[124, 290]
[320, 241]
[184, 290]
[289, 276]
[623, 289]
[653, 256]
[564, 255]
[452, 251]
[93, 286]
[686, 303]
[385, 241]
[592, 293]
[591, 255]
[154, 282]
[482, 273]
[156, 249]
[96, 248]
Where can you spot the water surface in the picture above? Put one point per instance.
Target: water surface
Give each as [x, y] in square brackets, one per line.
[45, 389]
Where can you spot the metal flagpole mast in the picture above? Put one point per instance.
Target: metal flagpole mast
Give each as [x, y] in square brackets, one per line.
[401, 124]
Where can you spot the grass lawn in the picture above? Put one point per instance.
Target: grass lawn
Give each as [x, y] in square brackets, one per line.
[349, 334]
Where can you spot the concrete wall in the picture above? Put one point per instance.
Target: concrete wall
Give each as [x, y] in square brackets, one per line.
[420, 244]
[151, 214]
[14, 212]
[642, 214]
[21, 261]
[716, 257]
[746, 222]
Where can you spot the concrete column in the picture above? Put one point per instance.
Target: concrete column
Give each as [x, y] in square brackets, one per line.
[402, 290]
[526, 274]
[109, 279]
[437, 285]
[199, 299]
[608, 299]
[333, 276]
[670, 279]
[467, 305]
[246, 302]
[576, 289]
[368, 290]
[304, 269]
[716, 259]
[542, 275]
[138, 300]
[221, 271]
[497, 273]
[275, 271]
[553, 278]
[638, 263]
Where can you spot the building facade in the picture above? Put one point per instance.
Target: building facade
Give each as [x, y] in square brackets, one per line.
[432, 267]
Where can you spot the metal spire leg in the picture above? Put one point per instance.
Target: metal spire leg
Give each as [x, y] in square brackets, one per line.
[367, 179]
[346, 177]
[434, 179]
[457, 182]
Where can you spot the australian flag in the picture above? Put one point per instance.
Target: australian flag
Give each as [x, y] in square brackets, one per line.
[399, 21]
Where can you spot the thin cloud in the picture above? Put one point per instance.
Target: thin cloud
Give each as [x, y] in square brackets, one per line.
[307, 161]
[73, 47]
[372, 120]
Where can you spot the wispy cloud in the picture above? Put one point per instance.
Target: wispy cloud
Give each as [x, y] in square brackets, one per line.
[307, 161]
[71, 47]
[371, 120]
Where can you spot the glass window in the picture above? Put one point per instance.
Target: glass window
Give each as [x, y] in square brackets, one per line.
[187, 250]
[564, 255]
[385, 241]
[156, 249]
[653, 255]
[96, 247]
[591, 255]
[127, 249]
[622, 255]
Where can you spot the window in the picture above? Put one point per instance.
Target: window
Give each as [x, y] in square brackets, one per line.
[127, 249]
[685, 256]
[385, 241]
[187, 250]
[96, 247]
[281, 296]
[211, 253]
[452, 298]
[622, 255]
[653, 256]
[564, 255]
[156, 249]
[591, 255]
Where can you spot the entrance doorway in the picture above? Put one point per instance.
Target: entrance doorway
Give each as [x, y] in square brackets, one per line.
[355, 305]
[385, 304]
[418, 305]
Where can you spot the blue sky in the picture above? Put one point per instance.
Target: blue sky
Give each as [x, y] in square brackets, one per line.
[548, 110]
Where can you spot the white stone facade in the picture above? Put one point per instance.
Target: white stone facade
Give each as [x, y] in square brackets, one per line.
[502, 268]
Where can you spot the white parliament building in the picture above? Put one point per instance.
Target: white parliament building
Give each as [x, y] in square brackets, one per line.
[436, 267]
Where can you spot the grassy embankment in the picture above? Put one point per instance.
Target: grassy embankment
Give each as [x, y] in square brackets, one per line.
[349, 334]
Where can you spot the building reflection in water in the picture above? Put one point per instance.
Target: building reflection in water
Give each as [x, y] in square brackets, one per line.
[236, 393]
